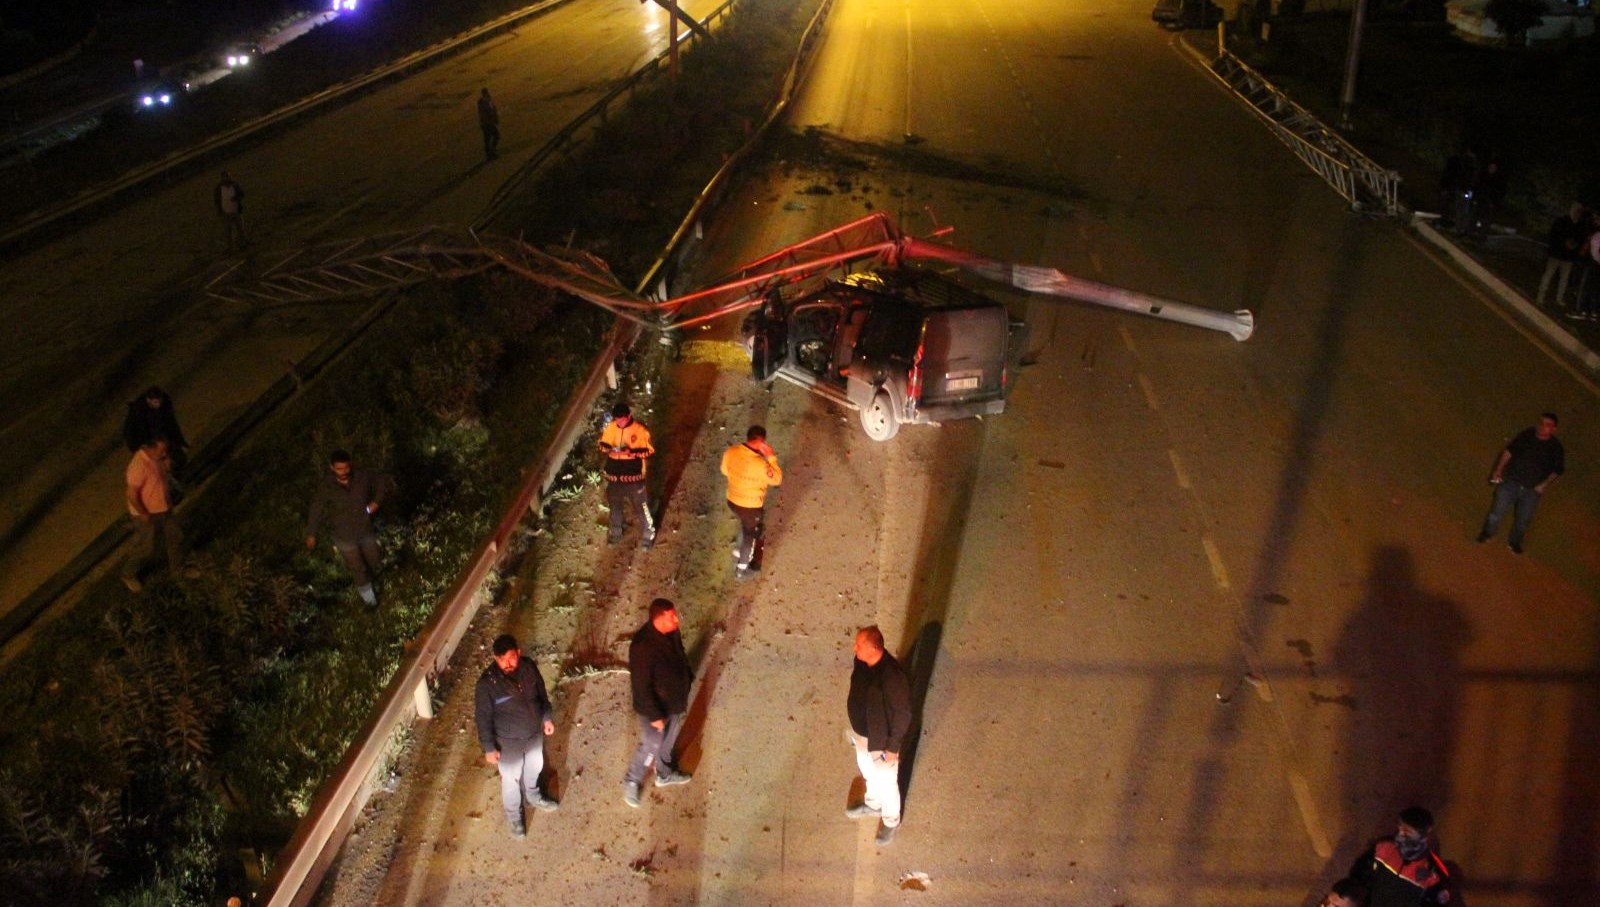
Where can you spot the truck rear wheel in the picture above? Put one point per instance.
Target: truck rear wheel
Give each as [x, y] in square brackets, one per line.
[878, 418]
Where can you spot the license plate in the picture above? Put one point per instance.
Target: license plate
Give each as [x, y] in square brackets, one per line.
[962, 384]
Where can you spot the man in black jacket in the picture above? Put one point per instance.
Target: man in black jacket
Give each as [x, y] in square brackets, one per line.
[346, 499]
[513, 716]
[661, 679]
[880, 717]
[1527, 466]
[150, 416]
[1405, 871]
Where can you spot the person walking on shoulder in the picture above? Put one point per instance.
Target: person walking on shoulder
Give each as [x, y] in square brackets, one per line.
[229, 200]
[751, 469]
[1526, 467]
[151, 416]
[661, 677]
[627, 448]
[513, 716]
[489, 122]
[345, 501]
[880, 718]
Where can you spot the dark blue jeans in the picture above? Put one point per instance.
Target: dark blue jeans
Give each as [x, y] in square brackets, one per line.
[1510, 494]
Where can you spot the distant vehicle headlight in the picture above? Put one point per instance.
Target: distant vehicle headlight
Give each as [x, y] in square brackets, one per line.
[147, 100]
[233, 60]
[166, 98]
[244, 59]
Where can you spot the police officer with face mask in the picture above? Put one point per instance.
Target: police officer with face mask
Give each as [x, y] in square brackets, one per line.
[1405, 870]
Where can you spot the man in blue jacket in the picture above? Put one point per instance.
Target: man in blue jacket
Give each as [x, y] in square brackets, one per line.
[513, 716]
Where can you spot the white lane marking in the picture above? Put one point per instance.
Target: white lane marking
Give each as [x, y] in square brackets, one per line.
[1177, 468]
[1219, 573]
[1309, 815]
[1127, 340]
[1149, 393]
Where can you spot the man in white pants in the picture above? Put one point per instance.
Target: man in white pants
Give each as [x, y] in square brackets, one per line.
[880, 718]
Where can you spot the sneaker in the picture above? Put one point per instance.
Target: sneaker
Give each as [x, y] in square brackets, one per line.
[519, 830]
[545, 804]
[1516, 547]
[885, 834]
[630, 794]
[133, 584]
[1482, 537]
[671, 777]
[648, 542]
[741, 572]
[861, 811]
[1573, 316]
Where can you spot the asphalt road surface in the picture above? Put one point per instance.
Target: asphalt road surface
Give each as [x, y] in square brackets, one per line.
[95, 317]
[1083, 584]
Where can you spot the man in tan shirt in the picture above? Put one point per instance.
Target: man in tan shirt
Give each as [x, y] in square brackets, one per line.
[149, 480]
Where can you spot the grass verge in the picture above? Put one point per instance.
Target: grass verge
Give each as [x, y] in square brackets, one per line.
[154, 738]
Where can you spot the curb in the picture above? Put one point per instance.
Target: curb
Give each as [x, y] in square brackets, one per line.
[1581, 356]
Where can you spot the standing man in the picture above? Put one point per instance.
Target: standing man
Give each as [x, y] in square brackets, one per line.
[513, 716]
[1405, 870]
[489, 122]
[626, 444]
[661, 677]
[880, 717]
[151, 416]
[229, 199]
[751, 469]
[345, 500]
[1527, 466]
[149, 480]
[1561, 250]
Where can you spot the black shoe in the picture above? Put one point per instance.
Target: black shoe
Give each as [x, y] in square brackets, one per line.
[1482, 537]
[1516, 547]
[885, 834]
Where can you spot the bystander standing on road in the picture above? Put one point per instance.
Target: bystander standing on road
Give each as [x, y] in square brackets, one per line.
[751, 469]
[1587, 304]
[661, 677]
[149, 480]
[513, 715]
[1561, 250]
[626, 444]
[151, 416]
[489, 122]
[1405, 870]
[1525, 469]
[345, 500]
[228, 198]
[879, 707]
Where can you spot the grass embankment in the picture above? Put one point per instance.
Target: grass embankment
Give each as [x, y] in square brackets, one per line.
[152, 738]
[1430, 94]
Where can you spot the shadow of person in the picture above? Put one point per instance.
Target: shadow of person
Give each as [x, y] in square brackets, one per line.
[1400, 653]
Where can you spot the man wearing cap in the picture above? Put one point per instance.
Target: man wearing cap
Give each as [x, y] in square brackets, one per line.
[626, 445]
[1404, 870]
[751, 469]
[513, 717]
[880, 717]
[661, 675]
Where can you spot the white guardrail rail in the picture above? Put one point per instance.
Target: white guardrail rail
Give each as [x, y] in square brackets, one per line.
[301, 865]
[1368, 188]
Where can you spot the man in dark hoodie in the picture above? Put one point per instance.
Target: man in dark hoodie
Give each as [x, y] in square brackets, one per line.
[513, 716]
[880, 718]
[661, 679]
[1404, 870]
[150, 416]
[346, 499]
